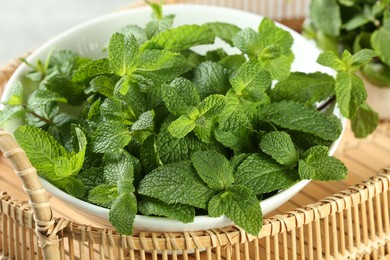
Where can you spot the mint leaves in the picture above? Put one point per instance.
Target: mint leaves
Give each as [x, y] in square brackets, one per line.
[53, 161]
[350, 92]
[356, 34]
[156, 128]
[273, 53]
[212, 174]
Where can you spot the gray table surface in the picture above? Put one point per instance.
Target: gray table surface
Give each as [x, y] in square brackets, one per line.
[26, 24]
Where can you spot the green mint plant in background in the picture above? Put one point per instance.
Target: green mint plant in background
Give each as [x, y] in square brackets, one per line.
[351, 25]
[155, 128]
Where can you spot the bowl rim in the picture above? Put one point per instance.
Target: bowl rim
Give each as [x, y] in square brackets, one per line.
[174, 225]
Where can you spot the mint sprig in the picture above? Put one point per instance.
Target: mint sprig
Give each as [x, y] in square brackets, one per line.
[350, 92]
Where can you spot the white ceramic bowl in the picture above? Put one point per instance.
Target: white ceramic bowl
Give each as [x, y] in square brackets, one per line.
[89, 38]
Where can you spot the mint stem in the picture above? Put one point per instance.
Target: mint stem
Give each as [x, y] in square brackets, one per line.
[327, 103]
[47, 121]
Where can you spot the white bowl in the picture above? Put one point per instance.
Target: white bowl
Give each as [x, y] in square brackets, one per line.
[89, 38]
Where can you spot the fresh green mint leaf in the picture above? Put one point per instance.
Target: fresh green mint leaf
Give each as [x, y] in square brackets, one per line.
[325, 14]
[180, 94]
[123, 53]
[271, 47]
[122, 213]
[91, 178]
[233, 117]
[316, 164]
[182, 126]
[225, 31]
[211, 78]
[232, 63]
[74, 187]
[9, 113]
[109, 136]
[213, 168]
[204, 128]
[104, 85]
[240, 205]
[133, 96]
[61, 83]
[365, 121]
[176, 183]
[280, 147]
[119, 167]
[92, 69]
[262, 174]
[236, 160]
[157, 9]
[305, 88]
[71, 185]
[239, 140]
[250, 78]
[41, 148]
[361, 58]
[275, 52]
[62, 168]
[148, 154]
[117, 110]
[379, 40]
[150, 206]
[181, 38]
[77, 158]
[350, 93]
[200, 119]
[280, 37]
[248, 41]
[15, 94]
[103, 195]
[330, 59]
[377, 73]
[215, 55]
[280, 66]
[296, 116]
[161, 65]
[138, 33]
[212, 105]
[171, 149]
[144, 122]
[157, 26]
[41, 97]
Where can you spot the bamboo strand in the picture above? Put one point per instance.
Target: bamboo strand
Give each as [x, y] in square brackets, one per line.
[326, 237]
[246, 251]
[378, 214]
[310, 240]
[334, 236]
[62, 249]
[364, 227]
[11, 250]
[237, 251]
[256, 249]
[371, 223]
[350, 230]
[342, 233]
[268, 247]
[302, 243]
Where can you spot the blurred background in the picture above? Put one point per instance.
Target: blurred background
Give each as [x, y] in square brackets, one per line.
[26, 24]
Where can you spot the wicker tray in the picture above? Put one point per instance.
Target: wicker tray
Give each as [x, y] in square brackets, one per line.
[341, 220]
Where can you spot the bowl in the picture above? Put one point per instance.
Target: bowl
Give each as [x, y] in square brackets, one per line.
[89, 38]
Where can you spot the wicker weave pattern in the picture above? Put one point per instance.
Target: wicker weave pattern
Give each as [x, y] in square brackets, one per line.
[349, 225]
